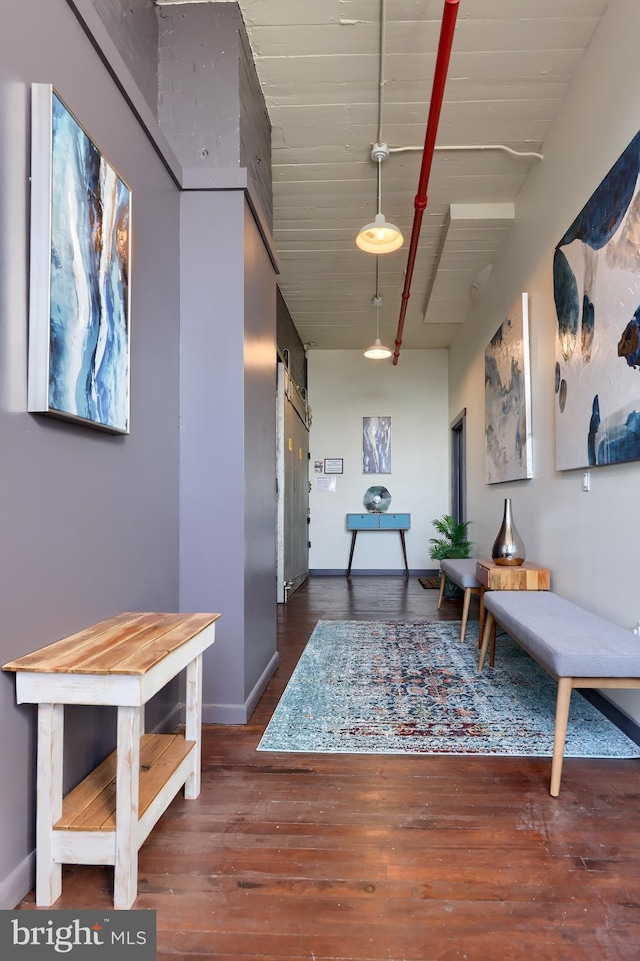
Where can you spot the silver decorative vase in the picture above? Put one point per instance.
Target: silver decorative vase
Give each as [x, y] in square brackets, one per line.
[508, 547]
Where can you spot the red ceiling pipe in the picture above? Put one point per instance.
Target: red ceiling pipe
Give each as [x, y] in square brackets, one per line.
[439, 79]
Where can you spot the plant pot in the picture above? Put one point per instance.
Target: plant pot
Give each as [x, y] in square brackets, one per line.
[452, 591]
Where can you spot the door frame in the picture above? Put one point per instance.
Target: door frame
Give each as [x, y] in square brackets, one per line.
[459, 466]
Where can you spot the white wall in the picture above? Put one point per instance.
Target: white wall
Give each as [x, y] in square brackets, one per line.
[589, 540]
[344, 387]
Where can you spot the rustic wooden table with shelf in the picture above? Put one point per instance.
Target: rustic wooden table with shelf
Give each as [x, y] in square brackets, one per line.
[121, 662]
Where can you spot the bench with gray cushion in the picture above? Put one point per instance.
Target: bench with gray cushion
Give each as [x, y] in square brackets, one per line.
[578, 648]
[462, 572]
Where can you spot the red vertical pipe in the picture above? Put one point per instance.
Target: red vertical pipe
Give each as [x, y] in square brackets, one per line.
[447, 29]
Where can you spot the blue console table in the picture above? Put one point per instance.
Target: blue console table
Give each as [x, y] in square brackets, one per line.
[378, 522]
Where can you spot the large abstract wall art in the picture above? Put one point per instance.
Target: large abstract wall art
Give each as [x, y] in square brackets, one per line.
[376, 445]
[79, 281]
[596, 283]
[508, 399]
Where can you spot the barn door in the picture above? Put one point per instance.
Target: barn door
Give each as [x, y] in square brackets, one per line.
[293, 486]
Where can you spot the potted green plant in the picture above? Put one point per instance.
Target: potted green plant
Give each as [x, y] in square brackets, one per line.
[453, 542]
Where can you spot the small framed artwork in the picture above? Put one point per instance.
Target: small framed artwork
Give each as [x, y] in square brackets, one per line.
[333, 465]
[80, 256]
[376, 445]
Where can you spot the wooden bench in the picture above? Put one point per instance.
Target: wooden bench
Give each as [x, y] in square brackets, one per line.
[578, 648]
[462, 573]
[122, 662]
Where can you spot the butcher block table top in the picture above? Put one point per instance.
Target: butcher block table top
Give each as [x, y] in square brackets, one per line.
[128, 643]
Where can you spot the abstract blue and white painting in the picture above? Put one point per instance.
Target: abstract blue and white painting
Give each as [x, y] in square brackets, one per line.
[596, 284]
[376, 445]
[507, 398]
[87, 367]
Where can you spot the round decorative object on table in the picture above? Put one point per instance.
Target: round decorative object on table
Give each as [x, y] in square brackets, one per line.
[377, 499]
[508, 547]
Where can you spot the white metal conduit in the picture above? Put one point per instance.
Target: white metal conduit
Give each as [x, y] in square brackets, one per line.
[472, 146]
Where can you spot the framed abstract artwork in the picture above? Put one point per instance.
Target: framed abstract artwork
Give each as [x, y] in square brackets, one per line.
[376, 445]
[507, 398]
[596, 287]
[79, 310]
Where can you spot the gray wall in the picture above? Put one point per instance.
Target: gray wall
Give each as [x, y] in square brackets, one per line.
[89, 520]
[133, 27]
[289, 339]
[92, 521]
[227, 513]
[255, 130]
[210, 105]
[588, 540]
[260, 463]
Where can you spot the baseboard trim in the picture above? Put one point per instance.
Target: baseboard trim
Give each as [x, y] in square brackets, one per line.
[170, 721]
[613, 713]
[240, 713]
[370, 572]
[17, 885]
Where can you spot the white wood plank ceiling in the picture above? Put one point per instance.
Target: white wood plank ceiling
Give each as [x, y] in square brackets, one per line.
[319, 67]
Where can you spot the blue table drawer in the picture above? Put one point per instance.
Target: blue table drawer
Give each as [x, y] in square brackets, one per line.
[362, 522]
[378, 522]
[395, 522]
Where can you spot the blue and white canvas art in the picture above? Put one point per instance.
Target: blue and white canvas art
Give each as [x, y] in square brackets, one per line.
[376, 445]
[79, 361]
[596, 284]
[507, 396]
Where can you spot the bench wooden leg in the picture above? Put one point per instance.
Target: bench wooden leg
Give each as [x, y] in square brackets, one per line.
[49, 801]
[443, 578]
[481, 617]
[562, 717]
[465, 612]
[489, 631]
[125, 879]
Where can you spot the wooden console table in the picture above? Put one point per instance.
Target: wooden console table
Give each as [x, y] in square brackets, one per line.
[373, 521]
[506, 577]
[121, 662]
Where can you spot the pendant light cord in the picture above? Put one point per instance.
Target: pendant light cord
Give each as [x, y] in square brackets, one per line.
[376, 299]
[383, 41]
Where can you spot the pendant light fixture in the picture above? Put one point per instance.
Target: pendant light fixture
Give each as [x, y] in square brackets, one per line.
[379, 237]
[377, 351]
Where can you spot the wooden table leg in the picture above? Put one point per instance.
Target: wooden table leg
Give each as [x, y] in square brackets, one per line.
[193, 725]
[481, 617]
[125, 881]
[49, 801]
[404, 553]
[353, 544]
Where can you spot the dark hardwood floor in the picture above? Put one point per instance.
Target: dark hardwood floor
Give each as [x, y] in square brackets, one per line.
[286, 857]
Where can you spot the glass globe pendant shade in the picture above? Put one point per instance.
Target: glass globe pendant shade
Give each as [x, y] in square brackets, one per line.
[378, 351]
[380, 237]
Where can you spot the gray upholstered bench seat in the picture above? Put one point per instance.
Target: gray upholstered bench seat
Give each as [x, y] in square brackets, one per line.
[462, 572]
[578, 648]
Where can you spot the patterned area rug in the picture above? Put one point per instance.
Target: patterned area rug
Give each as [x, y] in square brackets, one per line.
[372, 687]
